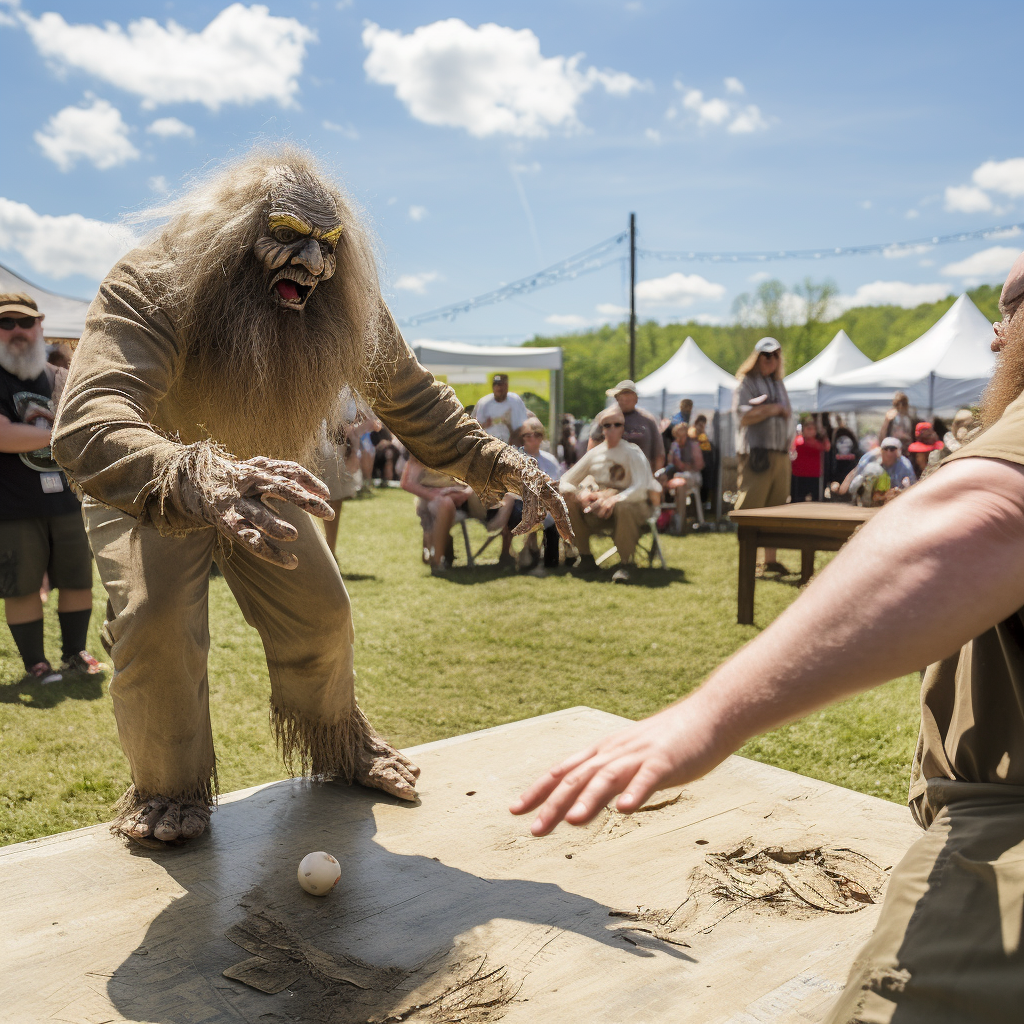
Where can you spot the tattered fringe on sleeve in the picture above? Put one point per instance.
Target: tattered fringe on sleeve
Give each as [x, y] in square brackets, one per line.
[193, 480]
[202, 796]
[322, 751]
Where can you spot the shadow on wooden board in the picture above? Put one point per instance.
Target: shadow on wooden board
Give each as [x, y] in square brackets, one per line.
[381, 944]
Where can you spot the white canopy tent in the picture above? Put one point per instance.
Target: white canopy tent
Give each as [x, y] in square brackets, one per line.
[469, 364]
[840, 355]
[947, 367]
[689, 373]
[65, 316]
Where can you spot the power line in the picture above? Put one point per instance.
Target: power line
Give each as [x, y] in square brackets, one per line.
[879, 248]
[595, 258]
[604, 254]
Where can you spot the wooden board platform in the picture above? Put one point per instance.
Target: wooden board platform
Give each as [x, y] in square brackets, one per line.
[452, 906]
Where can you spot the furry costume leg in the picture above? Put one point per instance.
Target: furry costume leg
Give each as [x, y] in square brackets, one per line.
[158, 638]
[304, 619]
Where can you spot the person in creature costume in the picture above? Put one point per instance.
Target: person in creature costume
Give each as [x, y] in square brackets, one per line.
[210, 357]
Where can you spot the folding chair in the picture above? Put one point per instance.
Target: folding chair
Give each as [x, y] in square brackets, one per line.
[462, 517]
[652, 551]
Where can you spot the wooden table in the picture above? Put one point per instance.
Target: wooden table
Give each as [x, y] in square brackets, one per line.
[807, 525]
[450, 902]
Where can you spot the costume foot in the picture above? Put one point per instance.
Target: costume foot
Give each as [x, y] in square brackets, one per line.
[380, 766]
[166, 820]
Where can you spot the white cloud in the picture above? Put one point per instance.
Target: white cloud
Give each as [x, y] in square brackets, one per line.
[417, 213]
[416, 282]
[891, 293]
[865, 204]
[1006, 176]
[531, 168]
[912, 214]
[678, 290]
[708, 111]
[96, 133]
[243, 56]
[489, 80]
[171, 127]
[567, 320]
[59, 246]
[158, 184]
[710, 319]
[610, 311]
[758, 276]
[748, 120]
[347, 130]
[717, 111]
[898, 252]
[986, 264]
[653, 134]
[966, 199]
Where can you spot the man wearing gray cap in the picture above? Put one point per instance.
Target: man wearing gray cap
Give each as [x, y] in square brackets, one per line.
[761, 412]
[642, 427]
[41, 528]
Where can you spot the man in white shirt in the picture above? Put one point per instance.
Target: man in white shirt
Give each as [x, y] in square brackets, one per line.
[503, 412]
[610, 490]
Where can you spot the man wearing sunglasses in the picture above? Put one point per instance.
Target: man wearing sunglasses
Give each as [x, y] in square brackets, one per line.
[762, 415]
[41, 528]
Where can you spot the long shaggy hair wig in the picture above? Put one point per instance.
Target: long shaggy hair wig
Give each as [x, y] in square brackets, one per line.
[257, 378]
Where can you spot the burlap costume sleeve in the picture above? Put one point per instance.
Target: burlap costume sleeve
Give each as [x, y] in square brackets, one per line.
[105, 435]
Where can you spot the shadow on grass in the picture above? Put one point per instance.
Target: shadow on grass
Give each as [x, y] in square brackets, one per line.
[32, 694]
[357, 577]
[650, 578]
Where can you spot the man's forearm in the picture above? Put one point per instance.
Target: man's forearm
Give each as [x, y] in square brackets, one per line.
[874, 610]
[22, 437]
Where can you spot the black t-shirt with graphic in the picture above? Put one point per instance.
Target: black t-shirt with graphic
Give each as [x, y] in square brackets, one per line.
[22, 493]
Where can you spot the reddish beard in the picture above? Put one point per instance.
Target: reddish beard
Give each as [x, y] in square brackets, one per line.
[1007, 383]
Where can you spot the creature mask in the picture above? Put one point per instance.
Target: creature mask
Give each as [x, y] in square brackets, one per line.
[303, 229]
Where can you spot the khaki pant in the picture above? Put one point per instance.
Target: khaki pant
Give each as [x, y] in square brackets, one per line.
[157, 635]
[625, 524]
[762, 490]
[947, 947]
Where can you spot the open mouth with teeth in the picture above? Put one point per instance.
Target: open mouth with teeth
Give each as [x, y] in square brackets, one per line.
[292, 288]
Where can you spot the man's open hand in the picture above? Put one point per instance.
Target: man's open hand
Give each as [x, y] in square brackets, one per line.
[242, 510]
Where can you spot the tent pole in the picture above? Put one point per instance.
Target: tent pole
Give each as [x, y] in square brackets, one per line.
[717, 420]
[664, 397]
[632, 296]
[931, 396]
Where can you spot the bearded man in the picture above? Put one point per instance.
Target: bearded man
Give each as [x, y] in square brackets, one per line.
[947, 948]
[210, 357]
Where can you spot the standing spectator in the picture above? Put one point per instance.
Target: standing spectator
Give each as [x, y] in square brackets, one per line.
[610, 490]
[897, 421]
[685, 411]
[503, 412]
[339, 466]
[642, 428]
[808, 462]
[699, 432]
[568, 440]
[41, 528]
[532, 436]
[761, 410]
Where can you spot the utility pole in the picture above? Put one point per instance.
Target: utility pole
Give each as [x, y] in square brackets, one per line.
[632, 296]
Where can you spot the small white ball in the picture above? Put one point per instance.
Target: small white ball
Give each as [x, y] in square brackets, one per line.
[319, 873]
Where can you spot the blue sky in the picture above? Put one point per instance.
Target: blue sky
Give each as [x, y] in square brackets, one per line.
[485, 141]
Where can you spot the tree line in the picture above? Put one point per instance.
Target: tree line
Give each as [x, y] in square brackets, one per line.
[596, 360]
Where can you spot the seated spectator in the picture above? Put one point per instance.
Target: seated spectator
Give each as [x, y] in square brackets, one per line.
[699, 432]
[386, 454]
[881, 475]
[682, 416]
[610, 490]
[532, 435]
[808, 450]
[844, 457]
[926, 441]
[686, 461]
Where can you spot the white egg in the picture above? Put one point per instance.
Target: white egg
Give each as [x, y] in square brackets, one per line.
[319, 873]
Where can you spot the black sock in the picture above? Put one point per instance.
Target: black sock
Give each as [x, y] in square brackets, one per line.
[29, 638]
[73, 629]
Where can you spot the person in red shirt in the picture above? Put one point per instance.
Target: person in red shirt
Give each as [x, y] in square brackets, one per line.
[807, 454]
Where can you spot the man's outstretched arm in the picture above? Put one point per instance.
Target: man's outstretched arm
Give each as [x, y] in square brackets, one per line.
[930, 572]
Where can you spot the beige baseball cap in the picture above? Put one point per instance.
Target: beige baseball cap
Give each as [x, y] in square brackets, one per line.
[18, 304]
[623, 385]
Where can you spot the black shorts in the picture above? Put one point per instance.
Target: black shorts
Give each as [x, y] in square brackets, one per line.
[804, 487]
[56, 545]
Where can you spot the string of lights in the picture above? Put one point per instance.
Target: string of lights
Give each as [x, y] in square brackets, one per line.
[606, 253]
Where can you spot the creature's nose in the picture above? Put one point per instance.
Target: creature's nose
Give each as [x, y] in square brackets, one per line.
[310, 257]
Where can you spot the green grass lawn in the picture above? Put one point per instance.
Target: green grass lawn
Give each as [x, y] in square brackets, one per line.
[438, 657]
